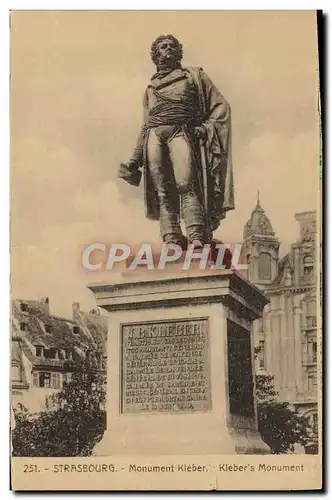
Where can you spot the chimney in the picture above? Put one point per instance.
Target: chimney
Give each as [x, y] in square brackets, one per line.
[76, 310]
[45, 305]
[94, 312]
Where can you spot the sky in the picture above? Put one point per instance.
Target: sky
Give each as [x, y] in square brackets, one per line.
[77, 82]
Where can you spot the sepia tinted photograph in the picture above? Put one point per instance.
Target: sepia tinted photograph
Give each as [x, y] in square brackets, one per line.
[166, 235]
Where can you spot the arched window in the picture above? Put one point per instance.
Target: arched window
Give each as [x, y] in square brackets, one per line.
[264, 267]
[308, 267]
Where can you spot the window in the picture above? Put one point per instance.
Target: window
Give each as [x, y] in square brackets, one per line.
[23, 327]
[76, 329]
[50, 353]
[264, 266]
[23, 307]
[16, 373]
[311, 307]
[69, 355]
[261, 354]
[39, 352]
[308, 267]
[44, 379]
[47, 380]
[312, 351]
[56, 380]
[312, 382]
[240, 373]
[311, 449]
[48, 328]
[261, 325]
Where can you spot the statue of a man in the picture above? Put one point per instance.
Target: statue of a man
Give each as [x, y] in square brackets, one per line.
[184, 149]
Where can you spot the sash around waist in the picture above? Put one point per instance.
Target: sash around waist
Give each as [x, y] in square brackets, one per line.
[170, 113]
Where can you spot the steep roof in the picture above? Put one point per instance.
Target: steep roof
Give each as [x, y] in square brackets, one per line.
[33, 326]
[283, 264]
[93, 323]
[49, 331]
[258, 224]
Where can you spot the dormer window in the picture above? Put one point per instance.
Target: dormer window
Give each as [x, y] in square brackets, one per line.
[39, 352]
[23, 307]
[314, 421]
[76, 329]
[311, 321]
[312, 350]
[50, 353]
[311, 316]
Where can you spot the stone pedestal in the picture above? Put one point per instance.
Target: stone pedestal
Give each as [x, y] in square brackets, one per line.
[180, 364]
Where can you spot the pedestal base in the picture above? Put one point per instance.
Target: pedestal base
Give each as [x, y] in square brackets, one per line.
[180, 366]
[189, 438]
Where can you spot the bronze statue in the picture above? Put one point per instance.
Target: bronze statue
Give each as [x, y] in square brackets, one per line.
[184, 149]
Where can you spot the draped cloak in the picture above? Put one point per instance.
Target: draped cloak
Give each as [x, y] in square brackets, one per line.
[215, 117]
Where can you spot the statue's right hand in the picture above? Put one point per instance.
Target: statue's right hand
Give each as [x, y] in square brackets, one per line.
[128, 166]
[123, 167]
[129, 171]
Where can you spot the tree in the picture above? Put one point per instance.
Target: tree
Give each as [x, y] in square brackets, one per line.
[280, 425]
[74, 418]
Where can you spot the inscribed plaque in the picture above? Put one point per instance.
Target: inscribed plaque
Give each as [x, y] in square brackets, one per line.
[165, 366]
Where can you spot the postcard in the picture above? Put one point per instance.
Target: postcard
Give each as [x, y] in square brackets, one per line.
[166, 231]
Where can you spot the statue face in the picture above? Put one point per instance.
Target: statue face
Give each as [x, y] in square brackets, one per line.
[167, 50]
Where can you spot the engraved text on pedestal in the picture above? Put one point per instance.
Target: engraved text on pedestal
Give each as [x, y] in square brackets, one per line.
[165, 367]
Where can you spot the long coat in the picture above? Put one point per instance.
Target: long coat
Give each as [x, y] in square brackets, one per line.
[215, 116]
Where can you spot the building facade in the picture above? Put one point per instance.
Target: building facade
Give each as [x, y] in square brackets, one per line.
[287, 332]
[46, 348]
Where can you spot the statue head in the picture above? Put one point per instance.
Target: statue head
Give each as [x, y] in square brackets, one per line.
[166, 50]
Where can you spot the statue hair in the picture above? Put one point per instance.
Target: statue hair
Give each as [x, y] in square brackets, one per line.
[154, 48]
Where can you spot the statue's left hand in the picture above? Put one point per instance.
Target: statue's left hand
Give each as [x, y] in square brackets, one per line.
[200, 133]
